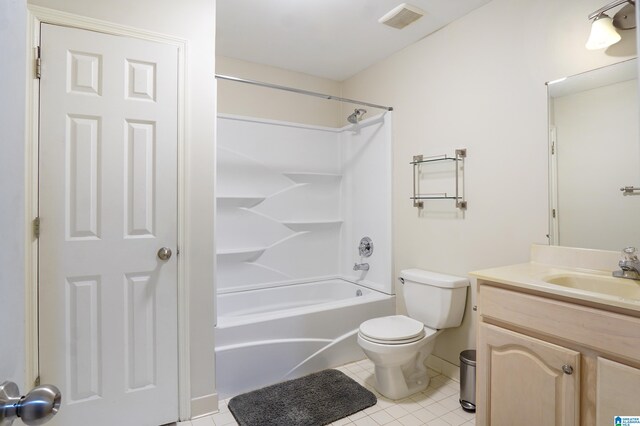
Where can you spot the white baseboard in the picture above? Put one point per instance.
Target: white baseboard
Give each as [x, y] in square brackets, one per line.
[204, 405]
[444, 367]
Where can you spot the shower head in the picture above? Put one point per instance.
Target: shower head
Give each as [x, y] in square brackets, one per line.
[357, 115]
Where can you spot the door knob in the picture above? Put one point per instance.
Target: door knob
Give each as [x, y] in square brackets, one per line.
[164, 253]
[35, 408]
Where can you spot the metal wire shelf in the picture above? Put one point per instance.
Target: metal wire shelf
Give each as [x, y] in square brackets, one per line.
[418, 199]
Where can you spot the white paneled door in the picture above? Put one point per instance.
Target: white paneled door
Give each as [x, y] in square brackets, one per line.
[108, 204]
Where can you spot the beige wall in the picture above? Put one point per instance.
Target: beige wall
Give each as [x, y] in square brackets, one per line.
[193, 21]
[479, 84]
[254, 101]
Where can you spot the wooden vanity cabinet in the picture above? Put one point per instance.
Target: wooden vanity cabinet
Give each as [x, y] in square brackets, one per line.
[525, 379]
[617, 391]
[543, 361]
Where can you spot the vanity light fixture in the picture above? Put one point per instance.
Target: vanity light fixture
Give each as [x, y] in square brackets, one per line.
[603, 29]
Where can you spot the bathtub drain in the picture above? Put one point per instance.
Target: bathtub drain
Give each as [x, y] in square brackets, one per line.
[358, 293]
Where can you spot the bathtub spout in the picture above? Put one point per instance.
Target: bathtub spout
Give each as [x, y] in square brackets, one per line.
[361, 267]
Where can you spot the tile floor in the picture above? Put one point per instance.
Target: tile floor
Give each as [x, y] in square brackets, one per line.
[436, 406]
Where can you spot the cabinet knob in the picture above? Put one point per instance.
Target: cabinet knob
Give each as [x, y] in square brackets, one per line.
[567, 369]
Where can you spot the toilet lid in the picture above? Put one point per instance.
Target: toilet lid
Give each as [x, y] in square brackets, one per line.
[392, 329]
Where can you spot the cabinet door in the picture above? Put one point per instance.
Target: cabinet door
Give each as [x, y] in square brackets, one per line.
[617, 391]
[521, 380]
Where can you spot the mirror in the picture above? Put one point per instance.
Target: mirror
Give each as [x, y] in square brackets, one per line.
[594, 151]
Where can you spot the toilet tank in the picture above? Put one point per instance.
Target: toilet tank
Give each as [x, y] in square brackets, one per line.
[437, 300]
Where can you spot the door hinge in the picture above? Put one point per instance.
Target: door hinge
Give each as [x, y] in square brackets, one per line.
[36, 227]
[38, 63]
[36, 382]
[553, 213]
[553, 148]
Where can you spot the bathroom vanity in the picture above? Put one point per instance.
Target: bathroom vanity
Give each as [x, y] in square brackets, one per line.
[558, 341]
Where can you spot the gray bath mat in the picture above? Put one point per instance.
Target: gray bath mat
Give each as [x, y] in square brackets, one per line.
[313, 400]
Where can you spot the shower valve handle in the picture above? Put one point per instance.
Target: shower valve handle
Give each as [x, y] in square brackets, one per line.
[366, 247]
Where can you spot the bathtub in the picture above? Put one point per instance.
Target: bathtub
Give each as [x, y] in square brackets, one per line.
[268, 335]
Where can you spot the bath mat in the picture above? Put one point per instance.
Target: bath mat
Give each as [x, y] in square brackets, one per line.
[313, 400]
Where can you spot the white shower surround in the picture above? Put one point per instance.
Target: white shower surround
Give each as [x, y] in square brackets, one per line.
[293, 202]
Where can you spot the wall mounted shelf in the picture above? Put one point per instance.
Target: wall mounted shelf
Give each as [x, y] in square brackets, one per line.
[458, 161]
[242, 201]
[304, 177]
[312, 225]
[241, 254]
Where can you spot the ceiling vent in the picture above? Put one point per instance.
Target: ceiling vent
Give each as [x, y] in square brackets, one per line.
[401, 16]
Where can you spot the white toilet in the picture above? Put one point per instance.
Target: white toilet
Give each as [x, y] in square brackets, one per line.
[398, 345]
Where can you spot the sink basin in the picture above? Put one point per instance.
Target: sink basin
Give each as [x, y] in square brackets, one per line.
[617, 287]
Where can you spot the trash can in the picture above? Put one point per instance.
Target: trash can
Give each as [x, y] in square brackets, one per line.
[468, 380]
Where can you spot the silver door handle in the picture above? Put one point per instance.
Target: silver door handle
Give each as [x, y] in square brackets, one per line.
[163, 254]
[35, 408]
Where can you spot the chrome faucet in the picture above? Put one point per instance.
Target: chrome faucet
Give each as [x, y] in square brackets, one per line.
[361, 267]
[629, 265]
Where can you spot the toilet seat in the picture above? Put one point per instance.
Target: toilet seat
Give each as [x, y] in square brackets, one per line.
[394, 330]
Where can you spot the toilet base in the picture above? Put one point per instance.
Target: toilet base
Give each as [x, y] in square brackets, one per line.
[392, 383]
[400, 381]
[399, 368]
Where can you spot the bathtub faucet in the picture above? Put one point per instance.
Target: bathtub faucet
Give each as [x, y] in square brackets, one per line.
[361, 267]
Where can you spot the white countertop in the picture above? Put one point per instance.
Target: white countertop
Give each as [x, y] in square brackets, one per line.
[550, 261]
[532, 275]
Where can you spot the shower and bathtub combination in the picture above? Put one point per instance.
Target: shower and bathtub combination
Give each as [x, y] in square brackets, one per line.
[300, 211]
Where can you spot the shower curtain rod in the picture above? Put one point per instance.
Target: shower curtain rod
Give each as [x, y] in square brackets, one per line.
[302, 92]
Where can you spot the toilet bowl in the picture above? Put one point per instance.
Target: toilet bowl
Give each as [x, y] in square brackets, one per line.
[398, 345]
[398, 359]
